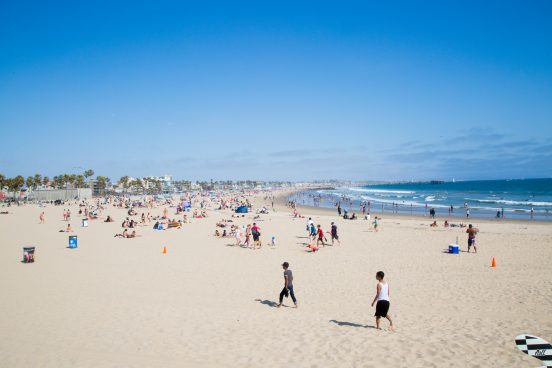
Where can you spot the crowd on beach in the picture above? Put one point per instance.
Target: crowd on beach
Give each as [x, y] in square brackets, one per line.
[176, 212]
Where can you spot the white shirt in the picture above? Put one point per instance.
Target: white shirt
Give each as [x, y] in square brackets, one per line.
[384, 292]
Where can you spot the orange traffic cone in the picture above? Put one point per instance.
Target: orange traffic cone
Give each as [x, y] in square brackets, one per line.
[165, 250]
[493, 263]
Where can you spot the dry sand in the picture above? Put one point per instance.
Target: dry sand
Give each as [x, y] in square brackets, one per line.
[122, 303]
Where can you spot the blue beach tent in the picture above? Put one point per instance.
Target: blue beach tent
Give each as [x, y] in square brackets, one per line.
[242, 209]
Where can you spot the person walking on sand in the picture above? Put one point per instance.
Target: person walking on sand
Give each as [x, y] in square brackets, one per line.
[382, 301]
[312, 231]
[309, 223]
[320, 234]
[375, 223]
[237, 234]
[288, 285]
[472, 232]
[334, 235]
[41, 217]
[247, 235]
[255, 231]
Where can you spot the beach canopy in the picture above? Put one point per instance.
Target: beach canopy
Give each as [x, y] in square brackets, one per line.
[242, 209]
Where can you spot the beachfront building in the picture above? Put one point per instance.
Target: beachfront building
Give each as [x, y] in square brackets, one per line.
[152, 182]
[100, 186]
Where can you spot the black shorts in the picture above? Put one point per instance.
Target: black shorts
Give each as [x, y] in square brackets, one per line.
[334, 236]
[382, 307]
[471, 242]
[256, 237]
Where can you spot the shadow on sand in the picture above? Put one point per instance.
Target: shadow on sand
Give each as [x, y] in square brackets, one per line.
[269, 303]
[461, 251]
[350, 324]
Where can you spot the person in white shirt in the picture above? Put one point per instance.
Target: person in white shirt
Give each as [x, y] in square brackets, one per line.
[382, 299]
[238, 236]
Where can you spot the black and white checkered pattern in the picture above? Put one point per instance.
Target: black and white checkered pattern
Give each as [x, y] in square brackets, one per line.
[535, 347]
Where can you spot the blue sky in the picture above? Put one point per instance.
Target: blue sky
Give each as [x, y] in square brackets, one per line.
[277, 91]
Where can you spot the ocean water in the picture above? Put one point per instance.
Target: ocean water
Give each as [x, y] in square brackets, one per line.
[520, 198]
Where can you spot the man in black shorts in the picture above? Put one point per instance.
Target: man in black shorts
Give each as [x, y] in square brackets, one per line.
[382, 300]
[334, 234]
[255, 231]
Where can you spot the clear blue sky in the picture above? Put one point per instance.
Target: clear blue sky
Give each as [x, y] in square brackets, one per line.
[282, 90]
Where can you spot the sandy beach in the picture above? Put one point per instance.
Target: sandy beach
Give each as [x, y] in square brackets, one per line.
[116, 302]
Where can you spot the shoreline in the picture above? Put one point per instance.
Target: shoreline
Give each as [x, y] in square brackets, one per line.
[325, 211]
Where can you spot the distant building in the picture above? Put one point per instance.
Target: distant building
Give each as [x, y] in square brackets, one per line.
[182, 185]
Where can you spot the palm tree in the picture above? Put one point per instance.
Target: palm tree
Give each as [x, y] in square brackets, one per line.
[30, 181]
[123, 182]
[2, 181]
[72, 179]
[102, 180]
[15, 184]
[138, 185]
[37, 180]
[45, 180]
[88, 173]
[65, 180]
[79, 180]
[58, 181]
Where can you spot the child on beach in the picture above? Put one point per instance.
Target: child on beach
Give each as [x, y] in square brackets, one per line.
[41, 218]
[320, 234]
[237, 235]
[288, 285]
[375, 223]
[312, 231]
[382, 299]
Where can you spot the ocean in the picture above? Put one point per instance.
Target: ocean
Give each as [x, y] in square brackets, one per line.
[519, 198]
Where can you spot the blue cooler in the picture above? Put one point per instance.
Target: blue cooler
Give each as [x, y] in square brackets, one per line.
[73, 243]
[454, 249]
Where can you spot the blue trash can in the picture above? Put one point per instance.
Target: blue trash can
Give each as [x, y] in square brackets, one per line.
[73, 242]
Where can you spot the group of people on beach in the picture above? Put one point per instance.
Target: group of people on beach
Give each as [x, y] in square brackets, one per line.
[236, 232]
[381, 298]
[317, 233]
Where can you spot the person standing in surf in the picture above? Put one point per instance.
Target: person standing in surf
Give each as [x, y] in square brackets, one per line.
[382, 301]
